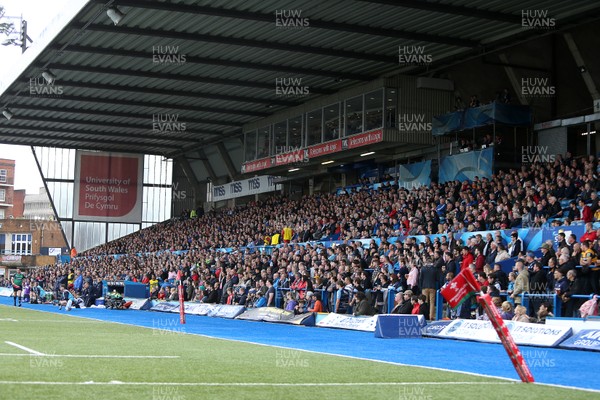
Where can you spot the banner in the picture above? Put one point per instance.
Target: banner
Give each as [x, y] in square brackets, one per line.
[5, 292]
[523, 333]
[256, 165]
[274, 314]
[392, 326]
[10, 259]
[247, 187]
[460, 288]
[165, 307]
[108, 187]
[587, 339]
[343, 321]
[488, 114]
[225, 311]
[138, 304]
[323, 149]
[434, 328]
[466, 166]
[362, 139]
[414, 175]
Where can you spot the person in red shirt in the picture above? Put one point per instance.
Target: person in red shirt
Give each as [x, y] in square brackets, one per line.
[467, 259]
[314, 304]
[590, 233]
[586, 212]
[415, 304]
[479, 260]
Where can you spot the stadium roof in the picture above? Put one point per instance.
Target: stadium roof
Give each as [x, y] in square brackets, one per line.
[223, 60]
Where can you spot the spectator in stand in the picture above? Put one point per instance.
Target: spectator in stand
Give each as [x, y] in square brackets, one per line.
[506, 311]
[314, 305]
[516, 245]
[502, 254]
[521, 282]
[363, 306]
[467, 258]
[521, 314]
[586, 212]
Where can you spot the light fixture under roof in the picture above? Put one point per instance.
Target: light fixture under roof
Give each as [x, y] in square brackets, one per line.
[115, 15]
[327, 162]
[7, 114]
[367, 153]
[49, 77]
[293, 169]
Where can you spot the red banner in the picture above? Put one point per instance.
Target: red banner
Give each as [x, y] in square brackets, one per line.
[292, 157]
[460, 288]
[108, 187]
[256, 165]
[324, 149]
[363, 139]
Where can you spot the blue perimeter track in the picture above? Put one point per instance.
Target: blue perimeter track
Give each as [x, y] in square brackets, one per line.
[569, 368]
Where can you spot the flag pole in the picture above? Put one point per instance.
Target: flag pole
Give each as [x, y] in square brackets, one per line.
[181, 298]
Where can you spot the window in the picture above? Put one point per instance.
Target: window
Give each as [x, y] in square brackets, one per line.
[21, 243]
[374, 110]
[332, 122]
[295, 133]
[1, 215]
[280, 137]
[264, 142]
[354, 116]
[250, 146]
[2, 195]
[3, 173]
[314, 126]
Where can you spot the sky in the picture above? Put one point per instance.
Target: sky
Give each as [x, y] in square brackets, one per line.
[37, 13]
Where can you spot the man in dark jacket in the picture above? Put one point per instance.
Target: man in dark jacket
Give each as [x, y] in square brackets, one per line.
[363, 306]
[406, 306]
[428, 282]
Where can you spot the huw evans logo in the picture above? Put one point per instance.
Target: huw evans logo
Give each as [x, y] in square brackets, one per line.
[290, 19]
[413, 123]
[291, 87]
[167, 123]
[414, 393]
[167, 55]
[178, 194]
[537, 87]
[537, 19]
[39, 87]
[413, 55]
[534, 154]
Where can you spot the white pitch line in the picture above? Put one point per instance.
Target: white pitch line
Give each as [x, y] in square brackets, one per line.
[8, 319]
[27, 349]
[81, 355]
[259, 384]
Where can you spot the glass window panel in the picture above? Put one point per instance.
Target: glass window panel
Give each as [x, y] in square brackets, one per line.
[250, 146]
[391, 103]
[331, 115]
[295, 132]
[374, 110]
[264, 142]
[354, 115]
[314, 126]
[280, 134]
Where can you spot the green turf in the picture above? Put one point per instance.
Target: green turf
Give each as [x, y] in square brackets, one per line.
[241, 370]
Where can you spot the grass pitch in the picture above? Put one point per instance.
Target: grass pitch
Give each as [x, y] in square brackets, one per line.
[49, 356]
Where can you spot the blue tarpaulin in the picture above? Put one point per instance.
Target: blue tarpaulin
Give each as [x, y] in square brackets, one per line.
[508, 114]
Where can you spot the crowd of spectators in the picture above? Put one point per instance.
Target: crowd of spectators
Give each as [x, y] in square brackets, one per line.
[247, 274]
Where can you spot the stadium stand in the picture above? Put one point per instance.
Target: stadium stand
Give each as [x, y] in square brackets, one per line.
[370, 238]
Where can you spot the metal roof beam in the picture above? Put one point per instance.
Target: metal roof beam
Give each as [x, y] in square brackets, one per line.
[247, 43]
[233, 173]
[53, 142]
[172, 93]
[314, 23]
[451, 9]
[94, 139]
[223, 63]
[112, 114]
[146, 127]
[181, 78]
[153, 105]
[207, 166]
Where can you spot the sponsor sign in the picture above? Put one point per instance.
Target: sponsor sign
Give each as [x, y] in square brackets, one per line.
[10, 259]
[108, 187]
[225, 311]
[247, 187]
[323, 149]
[434, 328]
[522, 333]
[165, 307]
[587, 339]
[138, 304]
[5, 292]
[394, 326]
[362, 139]
[296, 156]
[256, 165]
[342, 321]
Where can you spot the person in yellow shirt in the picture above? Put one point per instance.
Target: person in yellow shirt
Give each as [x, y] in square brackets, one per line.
[153, 286]
[287, 234]
[275, 239]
